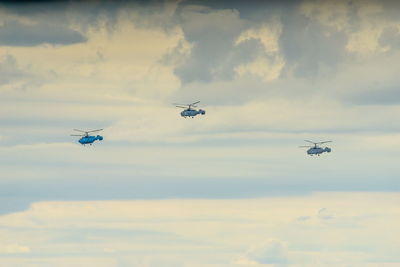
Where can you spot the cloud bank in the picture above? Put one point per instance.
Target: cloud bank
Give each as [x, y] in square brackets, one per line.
[360, 230]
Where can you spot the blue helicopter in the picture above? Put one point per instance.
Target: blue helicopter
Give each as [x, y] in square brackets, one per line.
[86, 138]
[315, 149]
[189, 111]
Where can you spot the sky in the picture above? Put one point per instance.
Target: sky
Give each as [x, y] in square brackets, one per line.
[230, 188]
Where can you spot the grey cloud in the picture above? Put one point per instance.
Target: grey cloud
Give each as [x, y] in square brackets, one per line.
[13, 33]
[53, 17]
[390, 37]
[390, 10]
[83, 13]
[73, 180]
[309, 47]
[254, 10]
[33, 7]
[377, 96]
[105, 14]
[10, 72]
[242, 53]
[213, 35]
[220, 65]
[212, 27]
[176, 56]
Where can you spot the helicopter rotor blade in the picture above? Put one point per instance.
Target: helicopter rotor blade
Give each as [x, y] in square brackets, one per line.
[94, 131]
[79, 130]
[305, 146]
[324, 142]
[181, 107]
[310, 141]
[187, 105]
[77, 135]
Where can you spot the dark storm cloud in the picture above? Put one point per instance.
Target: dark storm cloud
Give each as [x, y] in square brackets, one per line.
[48, 24]
[254, 10]
[51, 19]
[33, 7]
[13, 33]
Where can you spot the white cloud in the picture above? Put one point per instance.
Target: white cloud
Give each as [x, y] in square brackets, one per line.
[268, 33]
[263, 67]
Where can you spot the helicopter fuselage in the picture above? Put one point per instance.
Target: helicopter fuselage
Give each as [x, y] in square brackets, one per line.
[90, 139]
[192, 112]
[318, 150]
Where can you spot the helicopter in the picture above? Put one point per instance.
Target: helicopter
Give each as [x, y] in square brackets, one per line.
[86, 138]
[189, 111]
[315, 149]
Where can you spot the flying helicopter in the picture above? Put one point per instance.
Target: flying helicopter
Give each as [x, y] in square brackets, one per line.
[86, 138]
[315, 149]
[189, 111]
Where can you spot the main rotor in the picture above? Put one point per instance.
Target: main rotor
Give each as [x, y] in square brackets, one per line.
[85, 133]
[315, 143]
[187, 106]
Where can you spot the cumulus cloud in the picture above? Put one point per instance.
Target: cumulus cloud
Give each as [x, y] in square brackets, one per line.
[307, 46]
[212, 35]
[310, 48]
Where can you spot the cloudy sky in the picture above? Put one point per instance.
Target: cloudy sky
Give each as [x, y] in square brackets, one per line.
[230, 188]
